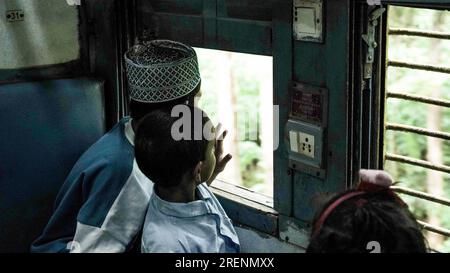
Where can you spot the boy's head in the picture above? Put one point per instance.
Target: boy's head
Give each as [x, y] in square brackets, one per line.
[161, 74]
[359, 219]
[171, 149]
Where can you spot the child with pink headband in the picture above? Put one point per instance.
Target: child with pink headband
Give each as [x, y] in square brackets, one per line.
[370, 218]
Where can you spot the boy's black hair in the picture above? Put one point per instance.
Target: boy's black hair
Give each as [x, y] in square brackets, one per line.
[139, 109]
[161, 158]
[373, 216]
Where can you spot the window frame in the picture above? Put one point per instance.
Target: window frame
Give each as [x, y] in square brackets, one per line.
[244, 206]
[379, 111]
[247, 207]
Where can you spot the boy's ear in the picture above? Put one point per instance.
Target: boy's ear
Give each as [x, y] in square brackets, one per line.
[197, 173]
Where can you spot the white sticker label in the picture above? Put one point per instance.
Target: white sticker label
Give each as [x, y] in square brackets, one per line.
[15, 15]
[373, 2]
[73, 2]
[293, 139]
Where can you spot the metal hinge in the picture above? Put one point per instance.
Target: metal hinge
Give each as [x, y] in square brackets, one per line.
[369, 38]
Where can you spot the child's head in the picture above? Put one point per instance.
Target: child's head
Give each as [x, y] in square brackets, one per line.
[168, 160]
[355, 220]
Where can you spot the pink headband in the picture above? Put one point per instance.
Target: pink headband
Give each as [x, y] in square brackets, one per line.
[370, 181]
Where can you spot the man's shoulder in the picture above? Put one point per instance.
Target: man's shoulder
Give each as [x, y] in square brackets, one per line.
[113, 144]
[112, 153]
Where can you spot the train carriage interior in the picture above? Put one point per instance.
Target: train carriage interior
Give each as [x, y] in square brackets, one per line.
[311, 92]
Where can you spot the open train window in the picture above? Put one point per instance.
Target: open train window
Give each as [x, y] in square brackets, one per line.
[417, 115]
[38, 33]
[237, 92]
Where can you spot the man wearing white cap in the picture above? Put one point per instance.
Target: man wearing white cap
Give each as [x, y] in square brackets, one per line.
[102, 204]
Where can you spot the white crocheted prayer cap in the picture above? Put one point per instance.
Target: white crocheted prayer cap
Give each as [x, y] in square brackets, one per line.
[161, 70]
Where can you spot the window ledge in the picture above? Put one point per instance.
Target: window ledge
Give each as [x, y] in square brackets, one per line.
[243, 193]
[254, 210]
[247, 207]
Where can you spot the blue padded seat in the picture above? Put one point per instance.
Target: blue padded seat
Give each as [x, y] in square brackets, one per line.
[45, 126]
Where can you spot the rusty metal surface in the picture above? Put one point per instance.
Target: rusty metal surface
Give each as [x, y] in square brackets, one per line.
[326, 65]
[223, 25]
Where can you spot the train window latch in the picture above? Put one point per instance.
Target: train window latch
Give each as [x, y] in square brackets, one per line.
[370, 40]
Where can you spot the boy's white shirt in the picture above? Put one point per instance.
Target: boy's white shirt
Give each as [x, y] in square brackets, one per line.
[198, 226]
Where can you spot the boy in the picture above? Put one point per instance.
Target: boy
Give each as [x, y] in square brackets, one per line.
[183, 215]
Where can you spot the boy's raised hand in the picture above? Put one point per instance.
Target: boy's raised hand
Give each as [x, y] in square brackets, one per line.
[221, 162]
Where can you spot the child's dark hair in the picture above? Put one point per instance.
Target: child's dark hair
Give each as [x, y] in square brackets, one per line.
[160, 157]
[371, 216]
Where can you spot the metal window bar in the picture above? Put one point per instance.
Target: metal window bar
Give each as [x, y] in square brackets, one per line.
[421, 195]
[425, 67]
[419, 33]
[429, 197]
[435, 229]
[417, 162]
[417, 130]
[416, 98]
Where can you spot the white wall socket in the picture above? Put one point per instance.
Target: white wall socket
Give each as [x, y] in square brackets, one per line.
[306, 144]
